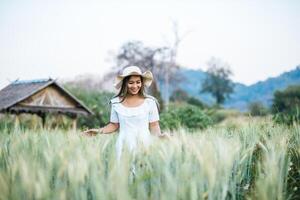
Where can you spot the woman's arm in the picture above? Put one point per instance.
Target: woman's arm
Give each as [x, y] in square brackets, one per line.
[155, 128]
[109, 128]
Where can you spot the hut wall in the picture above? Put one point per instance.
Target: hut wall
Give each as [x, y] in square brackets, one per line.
[49, 96]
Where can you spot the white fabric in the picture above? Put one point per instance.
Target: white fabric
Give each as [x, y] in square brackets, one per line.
[133, 123]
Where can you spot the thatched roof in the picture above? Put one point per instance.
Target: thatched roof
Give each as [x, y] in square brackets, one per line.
[20, 97]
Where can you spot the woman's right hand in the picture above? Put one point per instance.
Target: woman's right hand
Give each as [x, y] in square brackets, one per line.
[91, 132]
[165, 136]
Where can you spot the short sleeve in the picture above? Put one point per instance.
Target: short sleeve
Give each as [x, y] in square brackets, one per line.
[114, 115]
[153, 113]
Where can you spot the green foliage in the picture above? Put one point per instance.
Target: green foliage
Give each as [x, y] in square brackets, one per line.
[7, 122]
[179, 95]
[34, 122]
[217, 116]
[97, 102]
[193, 117]
[187, 116]
[286, 105]
[169, 120]
[196, 102]
[257, 108]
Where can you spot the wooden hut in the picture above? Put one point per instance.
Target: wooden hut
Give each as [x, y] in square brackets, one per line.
[40, 97]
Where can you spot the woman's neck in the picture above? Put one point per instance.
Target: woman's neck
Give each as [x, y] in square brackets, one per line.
[133, 100]
[134, 96]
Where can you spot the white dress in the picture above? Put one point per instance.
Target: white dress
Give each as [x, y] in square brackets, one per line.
[133, 123]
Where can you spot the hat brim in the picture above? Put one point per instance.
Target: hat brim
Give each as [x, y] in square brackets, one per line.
[147, 78]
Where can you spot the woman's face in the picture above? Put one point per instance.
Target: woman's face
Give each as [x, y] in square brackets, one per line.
[134, 85]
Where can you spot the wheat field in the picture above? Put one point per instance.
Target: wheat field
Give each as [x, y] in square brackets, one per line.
[252, 160]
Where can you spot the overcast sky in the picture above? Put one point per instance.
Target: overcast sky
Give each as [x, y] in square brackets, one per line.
[66, 38]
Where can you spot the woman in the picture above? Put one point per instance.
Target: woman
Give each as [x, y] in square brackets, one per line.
[133, 112]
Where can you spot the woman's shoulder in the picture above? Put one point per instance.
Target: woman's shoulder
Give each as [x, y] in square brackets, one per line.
[115, 100]
[152, 100]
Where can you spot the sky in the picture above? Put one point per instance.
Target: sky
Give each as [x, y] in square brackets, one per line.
[66, 38]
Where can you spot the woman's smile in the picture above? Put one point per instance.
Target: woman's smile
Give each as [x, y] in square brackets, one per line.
[134, 84]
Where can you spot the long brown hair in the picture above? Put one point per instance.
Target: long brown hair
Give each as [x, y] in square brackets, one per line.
[142, 92]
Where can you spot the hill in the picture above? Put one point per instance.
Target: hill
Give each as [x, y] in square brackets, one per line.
[261, 91]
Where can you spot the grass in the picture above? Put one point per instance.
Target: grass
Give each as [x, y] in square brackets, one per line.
[254, 160]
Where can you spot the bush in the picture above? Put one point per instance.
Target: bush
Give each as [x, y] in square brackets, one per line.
[193, 117]
[286, 105]
[257, 108]
[180, 96]
[196, 102]
[187, 116]
[169, 120]
[97, 102]
[218, 114]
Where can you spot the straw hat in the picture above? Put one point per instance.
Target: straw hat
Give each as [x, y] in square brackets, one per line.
[133, 70]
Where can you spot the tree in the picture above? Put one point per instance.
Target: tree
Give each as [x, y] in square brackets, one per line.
[160, 60]
[286, 105]
[135, 53]
[217, 81]
[156, 60]
[173, 46]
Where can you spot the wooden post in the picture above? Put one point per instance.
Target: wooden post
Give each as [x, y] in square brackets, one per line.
[17, 121]
[43, 117]
[34, 121]
[43, 120]
[74, 123]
